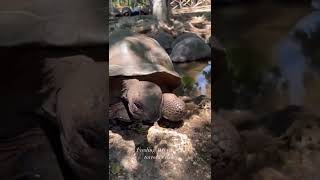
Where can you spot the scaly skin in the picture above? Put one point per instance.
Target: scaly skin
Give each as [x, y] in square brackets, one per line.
[174, 109]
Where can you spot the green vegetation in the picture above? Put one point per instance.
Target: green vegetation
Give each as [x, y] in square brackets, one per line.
[246, 66]
[188, 83]
[115, 168]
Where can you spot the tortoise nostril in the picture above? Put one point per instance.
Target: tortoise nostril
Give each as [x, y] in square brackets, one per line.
[155, 115]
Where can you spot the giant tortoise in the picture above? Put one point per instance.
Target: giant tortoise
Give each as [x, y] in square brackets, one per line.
[52, 114]
[142, 78]
[53, 122]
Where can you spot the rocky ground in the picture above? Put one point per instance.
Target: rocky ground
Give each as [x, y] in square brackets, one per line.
[164, 150]
[278, 146]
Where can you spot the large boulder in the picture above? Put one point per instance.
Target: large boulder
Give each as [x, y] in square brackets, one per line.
[164, 39]
[189, 47]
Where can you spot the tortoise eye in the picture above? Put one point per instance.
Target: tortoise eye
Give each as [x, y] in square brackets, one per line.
[138, 105]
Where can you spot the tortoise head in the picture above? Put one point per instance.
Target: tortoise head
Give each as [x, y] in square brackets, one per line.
[144, 99]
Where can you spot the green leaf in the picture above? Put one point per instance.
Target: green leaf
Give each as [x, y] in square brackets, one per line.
[115, 168]
[187, 81]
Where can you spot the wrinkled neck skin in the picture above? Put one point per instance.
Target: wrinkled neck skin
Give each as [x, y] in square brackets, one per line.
[127, 84]
[115, 90]
[133, 83]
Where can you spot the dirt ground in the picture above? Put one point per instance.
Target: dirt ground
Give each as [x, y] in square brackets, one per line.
[196, 20]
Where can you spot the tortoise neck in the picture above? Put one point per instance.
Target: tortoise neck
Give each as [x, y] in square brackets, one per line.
[129, 83]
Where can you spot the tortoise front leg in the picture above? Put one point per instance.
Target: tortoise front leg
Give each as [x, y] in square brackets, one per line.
[173, 108]
[118, 111]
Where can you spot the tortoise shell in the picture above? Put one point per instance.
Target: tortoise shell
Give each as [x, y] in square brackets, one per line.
[143, 57]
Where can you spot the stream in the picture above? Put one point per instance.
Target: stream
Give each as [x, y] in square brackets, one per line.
[272, 56]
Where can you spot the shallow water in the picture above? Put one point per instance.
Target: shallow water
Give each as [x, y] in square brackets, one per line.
[268, 70]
